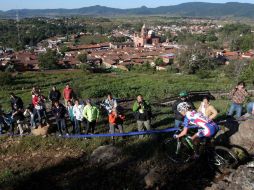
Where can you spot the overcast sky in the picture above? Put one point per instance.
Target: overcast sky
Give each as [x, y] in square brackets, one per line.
[42, 4]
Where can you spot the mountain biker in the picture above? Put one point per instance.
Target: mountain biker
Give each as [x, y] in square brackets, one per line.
[183, 97]
[207, 128]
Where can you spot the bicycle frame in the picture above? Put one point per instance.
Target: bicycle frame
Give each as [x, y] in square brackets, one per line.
[179, 142]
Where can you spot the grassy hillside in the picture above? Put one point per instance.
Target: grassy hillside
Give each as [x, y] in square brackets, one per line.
[55, 163]
[153, 86]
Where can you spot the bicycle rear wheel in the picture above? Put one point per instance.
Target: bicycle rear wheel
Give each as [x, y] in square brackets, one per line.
[178, 151]
[224, 158]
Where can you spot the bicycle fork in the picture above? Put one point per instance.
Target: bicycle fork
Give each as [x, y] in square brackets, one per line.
[178, 146]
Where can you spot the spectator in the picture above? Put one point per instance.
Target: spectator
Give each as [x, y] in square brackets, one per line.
[91, 114]
[34, 90]
[207, 109]
[143, 113]
[110, 103]
[250, 108]
[16, 102]
[78, 116]
[59, 112]
[39, 108]
[116, 121]
[71, 116]
[54, 95]
[183, 97]
[2, 122]
[68, 94]
[20, 119]
[29, 112]
[6, 119]
[238, 95]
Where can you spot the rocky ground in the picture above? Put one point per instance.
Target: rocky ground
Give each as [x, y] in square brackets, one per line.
[52, 163]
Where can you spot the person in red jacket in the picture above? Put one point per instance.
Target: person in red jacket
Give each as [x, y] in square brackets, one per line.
[115, 121]
[68, 94]
[39, 108]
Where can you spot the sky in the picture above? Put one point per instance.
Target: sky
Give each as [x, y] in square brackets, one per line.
[69, 4]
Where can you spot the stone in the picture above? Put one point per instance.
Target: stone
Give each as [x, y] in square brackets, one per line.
[240, 179]
[105, 154]
[41, 131]
[153, 178]
[244, 136]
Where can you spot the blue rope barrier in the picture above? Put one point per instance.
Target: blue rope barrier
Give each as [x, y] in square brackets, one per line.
[124, 134]
[118, 134]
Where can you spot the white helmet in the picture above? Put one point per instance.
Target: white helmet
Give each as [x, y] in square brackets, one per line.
[183, 107]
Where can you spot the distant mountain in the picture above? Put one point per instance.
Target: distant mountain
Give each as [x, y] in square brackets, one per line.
[192, 9]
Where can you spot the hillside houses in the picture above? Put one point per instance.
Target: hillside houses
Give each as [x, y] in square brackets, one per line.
[130, 56]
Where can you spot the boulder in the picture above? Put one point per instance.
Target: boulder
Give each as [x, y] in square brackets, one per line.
[41, 130]
[244, 136]
[240, 179]
[153, 178]
[105, 154]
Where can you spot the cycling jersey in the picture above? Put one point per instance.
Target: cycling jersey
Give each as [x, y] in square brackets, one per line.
[207, 128]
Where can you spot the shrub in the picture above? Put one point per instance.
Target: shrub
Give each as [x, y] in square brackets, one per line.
[203, 74]
[5, 78]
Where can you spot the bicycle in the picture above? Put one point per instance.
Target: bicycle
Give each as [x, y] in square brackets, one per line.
[183, 150]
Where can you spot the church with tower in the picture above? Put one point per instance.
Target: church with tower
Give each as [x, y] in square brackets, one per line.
[146, 37]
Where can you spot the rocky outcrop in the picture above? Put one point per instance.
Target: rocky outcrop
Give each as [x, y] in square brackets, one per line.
[240, 179]
[244, 136]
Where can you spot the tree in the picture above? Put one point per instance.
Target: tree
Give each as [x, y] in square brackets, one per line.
[195, 58]
[64, 49]
[82, 57]
[211, 37]
[235, 69]
[49, 60]
[158, 61]
[248, 71]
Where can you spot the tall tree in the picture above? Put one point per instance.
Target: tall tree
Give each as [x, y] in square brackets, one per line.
[49, 60]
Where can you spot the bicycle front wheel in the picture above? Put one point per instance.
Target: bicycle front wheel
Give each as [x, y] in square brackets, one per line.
[224, 158]
[178, 151]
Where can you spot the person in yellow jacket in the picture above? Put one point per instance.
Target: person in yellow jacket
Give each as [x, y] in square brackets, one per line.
[91, 114]
[207, 109]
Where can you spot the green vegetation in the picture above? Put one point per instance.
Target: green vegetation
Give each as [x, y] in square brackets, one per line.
[82, 57]
[238, 35]
[159, 61]
[5, 78]
[33, 30]
[153, 85]
[49, 60]
[91, 39]
[48, 159]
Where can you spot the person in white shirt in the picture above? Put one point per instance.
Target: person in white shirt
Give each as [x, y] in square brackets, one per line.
[78, 115]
